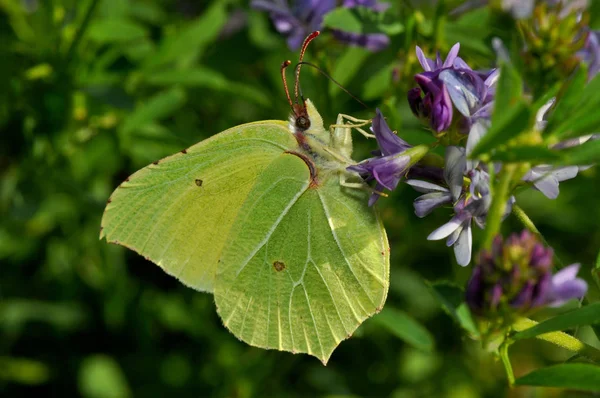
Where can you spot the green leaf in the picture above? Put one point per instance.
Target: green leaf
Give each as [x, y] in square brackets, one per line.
[405, 327]
[344, 19]
[576, 376]
[536, 154]
[468, 31]
[187, 45]
[586, 153]
[205, 77]
[259, 31]
[197, 76]
[451, 297]
[347, 66]
[587, 315]
[378, 83]
[511, 114]
[583, 117]
[596, 271]
[568, 99]
[507, 123]
[100, 376]
[157, 107]
[23, 371]
[362, 20]
[509, 91]
[115, 30]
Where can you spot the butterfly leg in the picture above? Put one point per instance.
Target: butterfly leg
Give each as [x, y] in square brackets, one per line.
[358, 123]
[358, 185]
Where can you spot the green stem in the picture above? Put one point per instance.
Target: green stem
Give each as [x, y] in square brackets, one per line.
[79, 35]
[527, 223]
[498, 206]
[506, 362]
[561, 339]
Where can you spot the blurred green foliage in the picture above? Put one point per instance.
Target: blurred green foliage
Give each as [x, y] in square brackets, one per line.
[93, 90]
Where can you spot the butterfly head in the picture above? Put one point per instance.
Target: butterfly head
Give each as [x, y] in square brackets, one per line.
[305, 119]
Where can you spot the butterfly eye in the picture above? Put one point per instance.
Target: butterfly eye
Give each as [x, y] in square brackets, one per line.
[303, 122]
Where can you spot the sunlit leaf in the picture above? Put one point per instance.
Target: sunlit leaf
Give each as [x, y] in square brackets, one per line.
[161, 105]
[574, 376]
[344, 19]
[586, 315]
[451, 298]
[405, 327]
[115, 30]
[100, 376]
[586, 153]
[511, 116]
[190, 42]
[347, 66]
[537, 154]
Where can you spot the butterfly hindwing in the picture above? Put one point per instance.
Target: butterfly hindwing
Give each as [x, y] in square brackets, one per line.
[311, 273]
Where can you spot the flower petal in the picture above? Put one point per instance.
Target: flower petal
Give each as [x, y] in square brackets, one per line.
[565, 173]
[452, 54]
[566, 286]
[423, 60]
[426, 187]
[389, 143]
[455, 166]
[373, 41]
[465, 88]
[463, 246]
[446, 229]
[478, 130]
[425, 204]
[548, 185]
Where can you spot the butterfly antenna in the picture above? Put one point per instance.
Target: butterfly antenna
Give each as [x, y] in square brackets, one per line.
[307, 41]
[332, 79]
[284, 65]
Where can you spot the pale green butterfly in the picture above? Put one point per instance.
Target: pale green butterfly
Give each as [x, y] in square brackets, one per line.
[265, 216]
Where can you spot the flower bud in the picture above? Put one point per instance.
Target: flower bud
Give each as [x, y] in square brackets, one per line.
[515, 277]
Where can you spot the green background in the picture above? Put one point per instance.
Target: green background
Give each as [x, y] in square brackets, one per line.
[81, 109]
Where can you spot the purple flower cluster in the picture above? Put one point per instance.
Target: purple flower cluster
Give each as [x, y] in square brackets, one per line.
[296, 21]
[515, 276]
[392, 161]
[445, 85]
[590, 54]
[466, 187]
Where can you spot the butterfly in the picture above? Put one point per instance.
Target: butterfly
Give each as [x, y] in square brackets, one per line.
[266, 217]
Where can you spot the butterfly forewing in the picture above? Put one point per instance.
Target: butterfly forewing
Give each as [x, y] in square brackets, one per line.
[178, 211]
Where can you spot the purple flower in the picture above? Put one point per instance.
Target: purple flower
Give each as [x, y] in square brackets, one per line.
[371, 41]
[515, 277]
[305, 16]
[591, 53]
[470, 198]
[451, 82]
[391, 162]
[435, 105]
[372, 4]
[546, 178]
[297, 21]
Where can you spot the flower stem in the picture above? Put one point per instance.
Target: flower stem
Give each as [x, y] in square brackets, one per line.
[82, 28]
[561, 339]
[527, 223]
[503, 351]
[498, 206]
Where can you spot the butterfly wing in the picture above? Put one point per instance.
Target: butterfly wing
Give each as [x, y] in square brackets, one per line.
[178, 212]
[304, 266]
